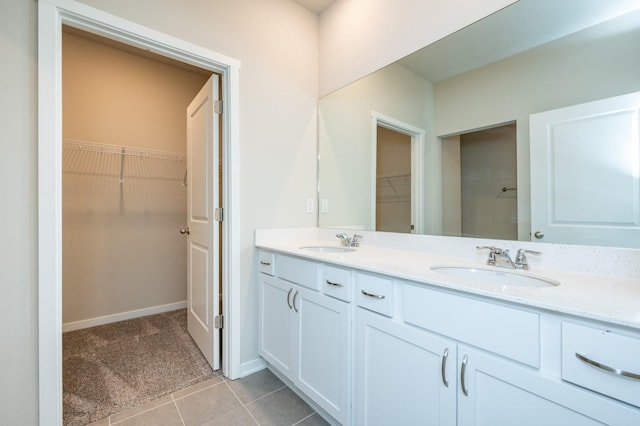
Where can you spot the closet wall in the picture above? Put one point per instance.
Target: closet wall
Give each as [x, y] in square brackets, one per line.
[122, 250]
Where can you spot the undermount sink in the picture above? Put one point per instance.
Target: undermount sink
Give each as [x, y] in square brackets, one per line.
[504, 277]
[328, 249]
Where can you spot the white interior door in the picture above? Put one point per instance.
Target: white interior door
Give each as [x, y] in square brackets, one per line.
[585, 173]
[203, 260]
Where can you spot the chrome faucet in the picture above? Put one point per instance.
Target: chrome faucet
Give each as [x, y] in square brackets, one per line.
[349, 242]
[498, 257]
[521, 258]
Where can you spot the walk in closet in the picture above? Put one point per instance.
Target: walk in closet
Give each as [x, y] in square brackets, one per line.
[124, 165]
[124, 177]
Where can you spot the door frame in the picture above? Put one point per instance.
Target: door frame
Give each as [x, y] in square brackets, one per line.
[52, 14]
[417, 166]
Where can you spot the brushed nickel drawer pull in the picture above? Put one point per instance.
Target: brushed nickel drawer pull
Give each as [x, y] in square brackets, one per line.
[463, 369]
[375, 296]
[443, 367]
[334, 284]
[262, 262]
[606, 368]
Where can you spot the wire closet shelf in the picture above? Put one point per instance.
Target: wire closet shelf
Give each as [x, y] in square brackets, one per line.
[126, 151]
[78, 145]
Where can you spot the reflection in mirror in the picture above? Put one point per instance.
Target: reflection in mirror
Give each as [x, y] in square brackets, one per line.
[393, 180]
[473, 93]
[479, 192]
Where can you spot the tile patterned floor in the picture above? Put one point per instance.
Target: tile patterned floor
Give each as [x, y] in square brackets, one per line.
[259, 399]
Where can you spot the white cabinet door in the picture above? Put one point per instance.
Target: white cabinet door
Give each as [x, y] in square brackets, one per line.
[500, 393]
[585, 179]
[276, 331]
[322, 327]
[306, 336]
[402, 375]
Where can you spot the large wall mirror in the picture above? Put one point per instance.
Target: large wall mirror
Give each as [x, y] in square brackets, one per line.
[440, 141]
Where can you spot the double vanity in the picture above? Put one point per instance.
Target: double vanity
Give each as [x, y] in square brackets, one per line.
[420, 330]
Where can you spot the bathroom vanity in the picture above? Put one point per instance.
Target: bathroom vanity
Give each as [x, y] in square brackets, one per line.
[379, 335]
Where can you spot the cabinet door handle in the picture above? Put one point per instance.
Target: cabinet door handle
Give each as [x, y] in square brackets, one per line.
[463, 369]
[334, 284]
[606, 368]
[443, 367]
[262, 262]
[375, 296]
[288, 296]
[294, 301]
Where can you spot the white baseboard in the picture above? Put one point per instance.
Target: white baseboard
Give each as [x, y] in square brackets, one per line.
[252, 366]
[107, 319]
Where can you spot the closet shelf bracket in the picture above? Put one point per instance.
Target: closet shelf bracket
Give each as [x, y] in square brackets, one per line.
[122, 167]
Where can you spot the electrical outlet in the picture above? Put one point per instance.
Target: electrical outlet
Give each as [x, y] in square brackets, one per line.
[309, 205]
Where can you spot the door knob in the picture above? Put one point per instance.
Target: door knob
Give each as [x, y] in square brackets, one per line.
[539, 235]
[184, 231]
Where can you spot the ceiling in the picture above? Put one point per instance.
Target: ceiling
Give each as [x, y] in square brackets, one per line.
[316, 6]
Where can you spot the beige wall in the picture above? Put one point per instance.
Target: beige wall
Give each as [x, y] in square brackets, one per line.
[121, 247]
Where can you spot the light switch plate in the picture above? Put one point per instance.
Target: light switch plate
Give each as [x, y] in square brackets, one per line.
[324, 205]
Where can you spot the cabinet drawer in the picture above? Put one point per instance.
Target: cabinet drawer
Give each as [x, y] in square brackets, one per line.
[299, 271]
[375, 293]
[600, 360]
[336, 282]
[266, 262]
[510, 332]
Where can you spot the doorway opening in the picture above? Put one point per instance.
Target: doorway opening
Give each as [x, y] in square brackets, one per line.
[393, 181]
[124, 197]
[479, 184]
[398, 154]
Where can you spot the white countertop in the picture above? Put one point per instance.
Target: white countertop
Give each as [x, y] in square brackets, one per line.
[603, 297]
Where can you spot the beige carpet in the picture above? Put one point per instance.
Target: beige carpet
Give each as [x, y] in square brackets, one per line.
[113, 367]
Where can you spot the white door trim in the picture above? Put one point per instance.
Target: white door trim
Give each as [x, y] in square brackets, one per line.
[417, 166]
[52, 14]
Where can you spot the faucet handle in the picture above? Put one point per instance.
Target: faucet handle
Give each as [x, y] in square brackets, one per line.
[521, 258]
[494, 249]
[492, 253]
[521, 252]
[355, 241]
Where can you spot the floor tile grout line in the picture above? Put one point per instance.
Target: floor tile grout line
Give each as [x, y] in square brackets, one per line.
[195, 392]
[243, 404]
[178, 410]
[304, 418]
[137, 414]
[266, 395]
